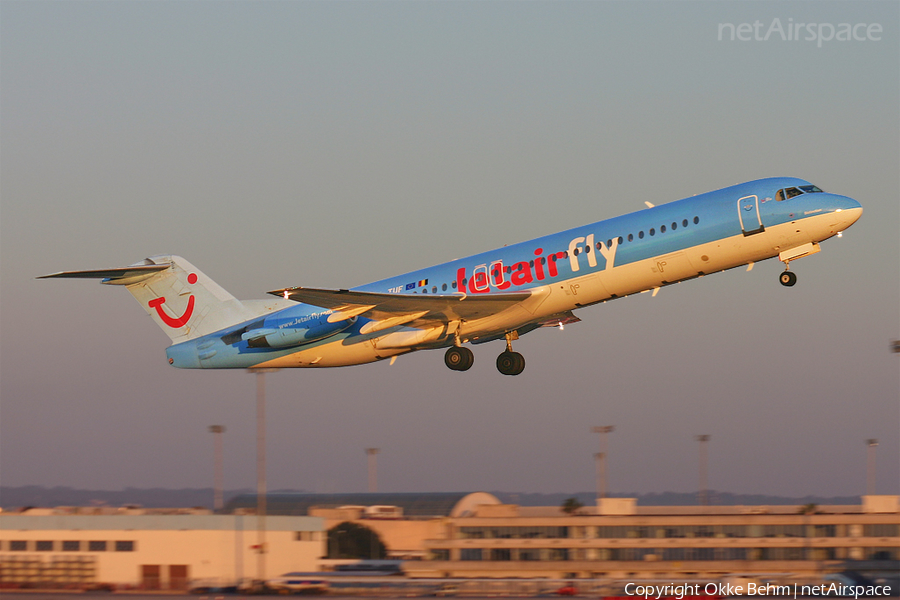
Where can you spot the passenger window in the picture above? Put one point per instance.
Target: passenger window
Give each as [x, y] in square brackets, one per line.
[641, 234]
[684, 223]
[662, 229]
[630, 237]
[674, 225]
[696, 220]
[652, 231]
[443, 287]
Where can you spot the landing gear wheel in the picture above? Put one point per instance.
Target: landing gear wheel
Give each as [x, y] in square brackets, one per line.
[787, 279]
[510, 363]
[459, 358]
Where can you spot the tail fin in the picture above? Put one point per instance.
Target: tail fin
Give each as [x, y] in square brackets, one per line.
[184, 302]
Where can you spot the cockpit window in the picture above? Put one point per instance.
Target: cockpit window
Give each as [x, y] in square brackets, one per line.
[788, 193]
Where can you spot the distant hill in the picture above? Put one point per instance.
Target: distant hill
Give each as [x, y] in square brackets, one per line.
[31, 495]
[674, 499]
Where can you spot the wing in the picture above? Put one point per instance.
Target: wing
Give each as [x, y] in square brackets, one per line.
[415, 310]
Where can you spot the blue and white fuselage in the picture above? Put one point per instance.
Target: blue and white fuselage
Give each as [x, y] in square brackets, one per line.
[500, 294]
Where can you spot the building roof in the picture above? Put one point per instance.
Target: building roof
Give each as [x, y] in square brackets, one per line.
[414, 504]
[25, 522]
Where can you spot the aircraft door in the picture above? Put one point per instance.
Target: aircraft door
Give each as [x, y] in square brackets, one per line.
[748, 214]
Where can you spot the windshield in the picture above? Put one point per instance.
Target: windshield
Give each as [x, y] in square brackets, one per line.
[788, 193]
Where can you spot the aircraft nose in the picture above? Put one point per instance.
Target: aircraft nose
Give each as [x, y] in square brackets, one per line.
[847, 211]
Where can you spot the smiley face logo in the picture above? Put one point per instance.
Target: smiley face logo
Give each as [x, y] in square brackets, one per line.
[177, 322]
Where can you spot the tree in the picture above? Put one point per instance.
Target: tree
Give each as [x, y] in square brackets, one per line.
[571, 506]
[351, 540]
[809, 509]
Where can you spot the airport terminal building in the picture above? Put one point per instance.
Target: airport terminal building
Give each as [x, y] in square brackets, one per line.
[446, 536]
[150, 549]
[619, 540]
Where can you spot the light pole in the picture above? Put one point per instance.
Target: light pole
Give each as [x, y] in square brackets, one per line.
[261, 471]
[703, 495]
[870, 466]
[372, 454]
[217, 431]
[601, 459]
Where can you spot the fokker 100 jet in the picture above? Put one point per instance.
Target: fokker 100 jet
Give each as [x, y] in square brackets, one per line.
[496, 295]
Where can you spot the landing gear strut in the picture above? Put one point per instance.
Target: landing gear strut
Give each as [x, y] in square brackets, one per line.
[459, 358]
[509, 362]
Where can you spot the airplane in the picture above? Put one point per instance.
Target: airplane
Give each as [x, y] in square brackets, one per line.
[497, 295]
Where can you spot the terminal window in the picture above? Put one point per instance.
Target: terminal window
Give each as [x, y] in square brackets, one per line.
[881, 530]
[126, 546]
[71, 546]
[97, 546]
[18, 546]
[43, 546]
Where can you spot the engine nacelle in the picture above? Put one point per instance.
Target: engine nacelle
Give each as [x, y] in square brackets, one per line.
[287, 337]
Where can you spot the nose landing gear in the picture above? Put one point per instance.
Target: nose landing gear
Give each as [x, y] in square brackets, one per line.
[787, 278]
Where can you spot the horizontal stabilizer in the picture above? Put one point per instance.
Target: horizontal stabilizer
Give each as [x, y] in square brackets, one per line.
[120, 275]
[423, 310]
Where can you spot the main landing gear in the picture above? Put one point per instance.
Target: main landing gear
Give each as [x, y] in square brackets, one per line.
[509, 362]
[460, 358]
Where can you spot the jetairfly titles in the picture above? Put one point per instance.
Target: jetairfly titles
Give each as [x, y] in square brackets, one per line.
[497, 295]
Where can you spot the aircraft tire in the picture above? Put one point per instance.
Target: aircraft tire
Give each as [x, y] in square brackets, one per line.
[788, 279]
[510, 363]
[459, 358]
